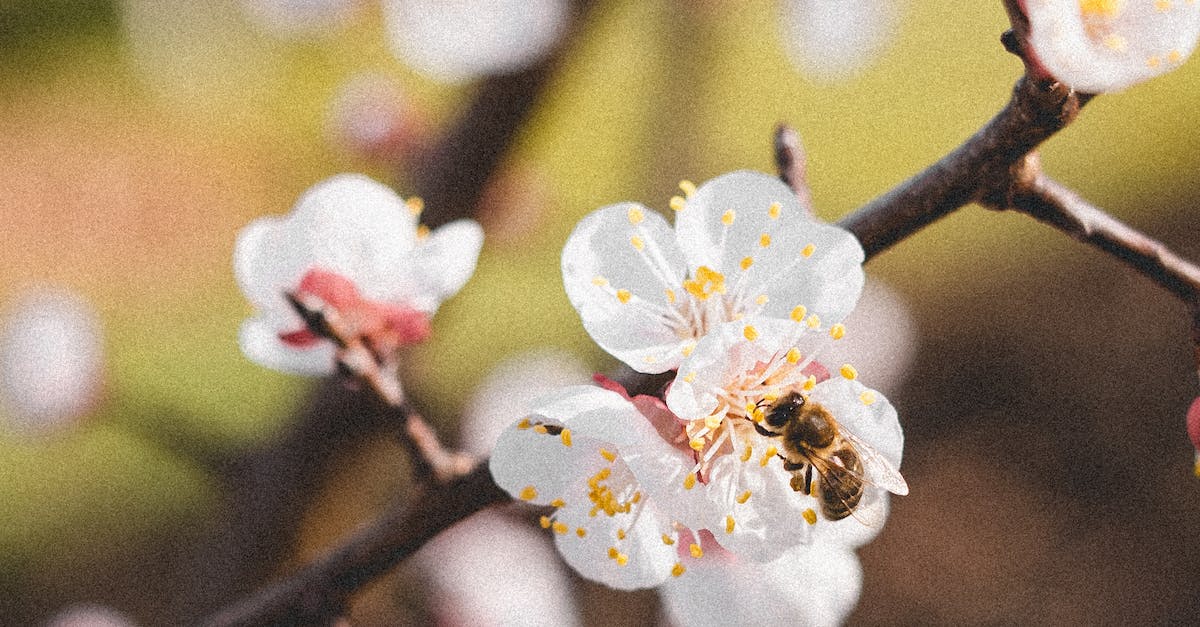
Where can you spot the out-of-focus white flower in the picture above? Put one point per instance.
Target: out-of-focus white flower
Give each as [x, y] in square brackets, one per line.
[742, 245]
[510, 390]
[354, 247]
[491, 570]
[371, 117]
[457, 40]
[881, 337]
[831, 40]
[1098, 46]
[299, 18]
[89, 616]
[51, 361]
[813, 586]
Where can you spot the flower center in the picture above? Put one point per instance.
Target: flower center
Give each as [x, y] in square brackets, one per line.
[706, 283]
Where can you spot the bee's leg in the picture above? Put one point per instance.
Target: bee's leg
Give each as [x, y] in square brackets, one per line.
[791, 466]
[763, 432]
[808, 473]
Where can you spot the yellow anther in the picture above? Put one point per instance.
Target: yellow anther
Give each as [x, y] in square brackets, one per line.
[764, 240]
[1116, 43]
[620, 534]
[747, 453]
[1154, 61]
[808, 250]
[528, 493]
[814, 321]
[798, 313]
[690, 377]
[837, 331]
[810, 383]
[580, 531]
[557, 503]
[415, 205]
[729, 524]
[712, 422]
[750, 408]
[622, 559]
[767, 455]
[677, 570]
[810, 516]
[540, 429]
[608, 455]
[637, 496]
[565, 434]
[689, 481]
[650, 359]
[613, 552]
[761, 300]
[743, 497]
[670, 295]
[668, 540]
[677, 203]
[624, 295]
[544, 521]
[604, 473]
[637, 242]
[1100, 8]
[524, 424]
[599, 281]
[706, 283]
[774, 210]
[688, 348]
[746, 262]
[750, 333]
[1174, 56]
[848, 372]
[635, 215]
[696, 551]
[696, 445]
[727, 217]
[422, 232]
[867, 397]
[793, 356]
[1163, 5]
[758, 415]
[688, 187]
[559, 527]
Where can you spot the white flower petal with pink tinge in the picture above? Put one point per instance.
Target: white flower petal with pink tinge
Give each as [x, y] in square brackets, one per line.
[831, 40]
[814, 586]
[1098, 46]
[743, 245]
[360, 232]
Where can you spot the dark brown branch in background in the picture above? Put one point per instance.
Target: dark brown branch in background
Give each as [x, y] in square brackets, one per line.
[792, 163]
[320, 591]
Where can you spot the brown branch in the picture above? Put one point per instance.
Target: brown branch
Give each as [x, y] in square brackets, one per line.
[319, 592]
[792, 164]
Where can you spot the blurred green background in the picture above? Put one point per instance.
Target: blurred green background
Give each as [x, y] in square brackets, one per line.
[1044, 410]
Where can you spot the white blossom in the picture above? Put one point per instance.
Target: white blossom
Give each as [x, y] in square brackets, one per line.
[298, 18]
[456, 40]
[355, 247]
[1098, 46]
[742, 245]
[831, 40]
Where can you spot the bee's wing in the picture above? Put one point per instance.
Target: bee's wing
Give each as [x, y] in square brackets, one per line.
[880, 472]
[868, 516]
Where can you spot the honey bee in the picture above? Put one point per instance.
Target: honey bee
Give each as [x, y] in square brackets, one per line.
[813, 442]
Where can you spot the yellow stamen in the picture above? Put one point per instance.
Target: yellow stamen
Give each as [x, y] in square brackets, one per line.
[706, 283]
[544, 521]
[613, 552]
[727, 217]
[793, 356]
[750, 332]
[415, 205]
[814, 321]
[565, 434]
[761, 300]
[690, 377]
[624, 296]
[808, 250]
[668, 540]
[743, 497]
[580, 531]
[746, 263]
[620, 534]
[670, 295]
[696, 551]
[774, 210]
[608, 455]
[767, 455]
[1099, 8]
[677, 203]
[798, 313]
[540, 429]
[677, 569]
[1154, 61]
[637, 242]
[528, 493]
[837, 331]
[764, 240]
[810, 383]
[599, 281]
[1174, 56]
[712, 422]
[810, 516]
[559, 527]
[622, 559]
[848, 372]
[747, 453]
[688, 348]
[524, 424]
[688, 187]
[696, 445]
[689, 481]
[867, 397]
[1163, 5]
[1115, 43]
[729, 524]
[422, 232]
[557, 503]
[635, 215]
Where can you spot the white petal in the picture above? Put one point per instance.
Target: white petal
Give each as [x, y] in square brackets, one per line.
[1114, 45]
[805, 586]
[827, 280]
[881, 337]
[649, 559]
[259, 339]
[456, 40]
[51, 361]
[263, 265]
[620, 284]
[489, 569]
[508, 392]
[444, 262]
[831, 40]
[876, 423]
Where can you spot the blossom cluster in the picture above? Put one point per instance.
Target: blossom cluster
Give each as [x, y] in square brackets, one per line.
[759, 457]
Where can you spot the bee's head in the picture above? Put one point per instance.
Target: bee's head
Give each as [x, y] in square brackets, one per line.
[785, 409]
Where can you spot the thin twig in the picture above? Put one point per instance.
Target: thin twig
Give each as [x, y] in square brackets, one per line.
[792, 164]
